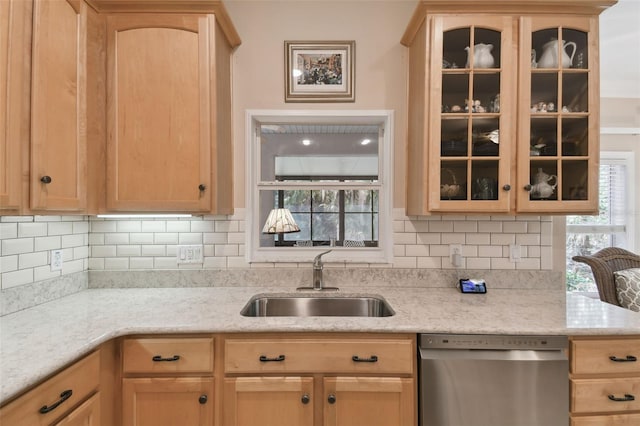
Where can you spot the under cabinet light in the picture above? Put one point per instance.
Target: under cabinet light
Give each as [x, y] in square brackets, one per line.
[143, 216]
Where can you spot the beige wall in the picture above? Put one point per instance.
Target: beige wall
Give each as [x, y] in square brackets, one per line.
[380, 65]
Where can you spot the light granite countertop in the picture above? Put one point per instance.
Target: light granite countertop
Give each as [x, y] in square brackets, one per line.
[36, 342]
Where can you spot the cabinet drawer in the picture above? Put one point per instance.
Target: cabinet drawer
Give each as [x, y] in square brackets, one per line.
[319, 356]
[171, 355]
[613, 420]
[595, 395]
[606, 356]
[82, 379]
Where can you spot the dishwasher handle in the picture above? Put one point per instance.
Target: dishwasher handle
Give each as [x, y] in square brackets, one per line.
[524, 355]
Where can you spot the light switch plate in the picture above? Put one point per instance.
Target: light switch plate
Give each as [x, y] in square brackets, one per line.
[190, 254]
[56, 260]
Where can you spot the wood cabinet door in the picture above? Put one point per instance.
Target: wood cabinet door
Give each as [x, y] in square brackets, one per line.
[471, 136]
[158, 113]
[167, 401]
[58, 105]
[87, 414]
[268, 401]
[15, 26]
[371, 401]
[558, 122]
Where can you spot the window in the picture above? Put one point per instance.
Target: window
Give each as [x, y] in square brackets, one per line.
[612, 227]
[332, 171]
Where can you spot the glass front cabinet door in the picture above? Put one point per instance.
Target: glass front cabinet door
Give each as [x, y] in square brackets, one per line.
[472, 129]
[503, 107]
[558, 115]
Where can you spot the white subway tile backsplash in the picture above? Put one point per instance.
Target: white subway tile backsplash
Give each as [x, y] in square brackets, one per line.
[16, 278]
[123, 244]
[17, 246]
[116, 238]
[32, 229]
[60, 228]
[153, 226]
[165, 238]
[129, 226]
[47, 243]
[31, 260]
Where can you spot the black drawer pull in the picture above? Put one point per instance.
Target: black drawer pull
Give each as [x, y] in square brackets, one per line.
[158, 358]
[45, 179]
[356, 358]
[305, 399]
[626, 398]
[203, 399]
[63, 397]
[628, 358]
[263, 358]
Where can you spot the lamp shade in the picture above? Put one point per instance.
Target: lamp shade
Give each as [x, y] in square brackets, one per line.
[280, 221]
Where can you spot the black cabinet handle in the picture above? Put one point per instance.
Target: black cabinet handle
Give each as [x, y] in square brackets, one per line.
[527, 187]
[158, 358]
[202, 187]
[507, 187]
[305, 399]
[356, 358]
[45, 179]
[63, 397]
[203, 399]
[331, 399]
[628, 358]
[263, 358]
[626, 398]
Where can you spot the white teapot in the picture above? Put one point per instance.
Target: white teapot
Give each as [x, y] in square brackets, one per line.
[543, 188]
[549, 57]
[482, 57]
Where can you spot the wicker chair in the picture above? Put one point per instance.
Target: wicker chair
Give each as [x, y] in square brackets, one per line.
[603, 264]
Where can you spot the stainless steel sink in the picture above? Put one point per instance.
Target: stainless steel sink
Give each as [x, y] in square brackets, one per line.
[316, 306]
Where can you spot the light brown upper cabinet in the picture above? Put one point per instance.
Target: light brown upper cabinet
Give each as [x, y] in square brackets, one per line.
[503, 117]
[58, 106]
[15, 30]
[169, 145]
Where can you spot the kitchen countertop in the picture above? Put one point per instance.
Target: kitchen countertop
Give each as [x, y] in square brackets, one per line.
[40, 340]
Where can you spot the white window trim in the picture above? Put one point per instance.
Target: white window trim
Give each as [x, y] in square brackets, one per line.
[381, 254]
[626, 158]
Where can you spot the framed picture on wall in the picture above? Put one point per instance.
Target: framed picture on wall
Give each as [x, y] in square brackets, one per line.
[319, 71]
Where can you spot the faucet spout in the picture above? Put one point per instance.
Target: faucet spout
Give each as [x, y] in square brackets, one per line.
[317, 261]
[318, 280]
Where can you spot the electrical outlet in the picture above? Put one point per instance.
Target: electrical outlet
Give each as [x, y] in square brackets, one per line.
[514, 253]
[455, 254]
[56, 260]
[190, 254]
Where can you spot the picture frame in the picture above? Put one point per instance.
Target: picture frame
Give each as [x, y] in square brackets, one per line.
[319, 71]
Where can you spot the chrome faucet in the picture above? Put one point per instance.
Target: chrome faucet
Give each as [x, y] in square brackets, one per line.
[318, 281]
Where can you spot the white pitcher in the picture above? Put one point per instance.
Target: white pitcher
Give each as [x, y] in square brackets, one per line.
[549, 57]
[482, 57]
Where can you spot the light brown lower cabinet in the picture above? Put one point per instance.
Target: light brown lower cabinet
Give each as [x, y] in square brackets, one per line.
[605, 381]
[87, 414]
[53, 402]
[168, 401]
[268, 401]
[319, 380]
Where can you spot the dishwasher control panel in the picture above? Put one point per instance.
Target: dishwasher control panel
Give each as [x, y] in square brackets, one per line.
[492, 342]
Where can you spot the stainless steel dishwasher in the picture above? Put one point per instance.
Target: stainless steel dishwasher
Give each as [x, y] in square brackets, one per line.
[491, 380]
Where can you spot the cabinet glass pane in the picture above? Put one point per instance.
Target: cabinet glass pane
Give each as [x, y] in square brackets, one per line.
[544, 136]
[490, 38]
[484, 180]
[453, 180]
[454, 43]
[455, 91]
[542, 48]
[575, 92]
[453, 137]
[486, 137]
[575, 136]
[544, 180]
[544, 92]
[580, 59]
[486, 89]
[575, 180]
